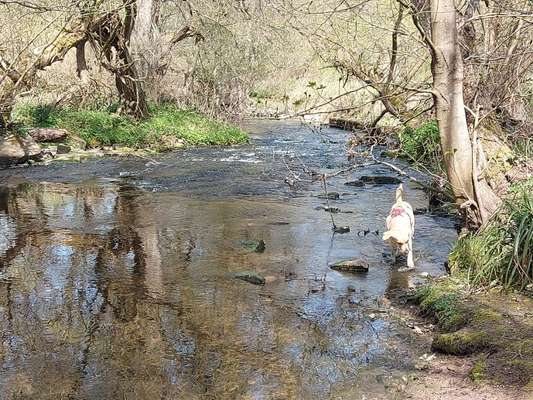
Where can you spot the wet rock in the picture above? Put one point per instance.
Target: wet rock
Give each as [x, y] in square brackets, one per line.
[257, 246]
[357, 183]
[355, 265]
[381, 180]
[329, 196]
[48, 134]
[63, 149]
[18, 149]
[77, 143]
[333, 210]
[250, 277]
[341, 229]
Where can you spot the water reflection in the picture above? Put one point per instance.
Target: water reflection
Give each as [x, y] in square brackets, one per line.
[109, 290]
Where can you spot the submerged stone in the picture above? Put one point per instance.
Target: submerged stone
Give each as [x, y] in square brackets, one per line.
[355, 265]
[329, 196]
[257, 246]
[381, 180]
[250, 277]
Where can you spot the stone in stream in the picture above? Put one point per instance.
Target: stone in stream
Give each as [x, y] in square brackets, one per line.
[48, 134]
[355, 265]
[329, 196]
[250, 277]
[63, 149]
[333, 210]
[341, 229]
[355, 183]
[381, 180]
[18, 149]
[257, 246]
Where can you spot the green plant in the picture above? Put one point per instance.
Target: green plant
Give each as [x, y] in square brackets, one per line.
[166, 125]
[422, 145]
[502, 253]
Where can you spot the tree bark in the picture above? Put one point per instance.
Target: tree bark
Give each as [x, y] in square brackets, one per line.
[471, 194]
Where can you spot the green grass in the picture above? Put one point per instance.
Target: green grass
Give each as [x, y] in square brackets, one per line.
[422, 145]
[160, 131]
[502, 253]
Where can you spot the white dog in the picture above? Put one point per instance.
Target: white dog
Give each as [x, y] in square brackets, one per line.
[401, 228]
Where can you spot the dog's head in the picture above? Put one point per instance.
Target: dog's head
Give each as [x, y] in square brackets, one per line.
[397, 238]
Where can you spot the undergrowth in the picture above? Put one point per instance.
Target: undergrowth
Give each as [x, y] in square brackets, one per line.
[422, 145]
[502, 253]
[165, 125]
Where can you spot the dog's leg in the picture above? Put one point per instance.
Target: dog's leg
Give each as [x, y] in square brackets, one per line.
[410, 261]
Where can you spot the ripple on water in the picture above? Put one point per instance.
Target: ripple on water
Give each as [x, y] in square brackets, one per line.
[119, 275]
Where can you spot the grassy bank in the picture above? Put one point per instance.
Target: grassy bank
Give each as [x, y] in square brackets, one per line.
[492, 327]
[166, 127]
[502, 253]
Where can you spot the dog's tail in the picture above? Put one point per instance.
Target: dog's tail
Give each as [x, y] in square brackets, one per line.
[399, 193]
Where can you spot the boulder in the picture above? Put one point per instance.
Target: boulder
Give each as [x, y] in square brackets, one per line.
[48, 134]
[250, 277]
[17, 149]
[355, 265]
[381, 180]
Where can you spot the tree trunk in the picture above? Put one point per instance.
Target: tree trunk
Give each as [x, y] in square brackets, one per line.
[472, 195]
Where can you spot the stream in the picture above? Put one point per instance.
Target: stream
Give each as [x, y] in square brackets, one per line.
[117, 275]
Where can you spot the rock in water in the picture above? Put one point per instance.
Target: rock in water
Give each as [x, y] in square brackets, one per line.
[350, 266]
[18, 149]
[48, 134]
[250, 277]
[329, 196]
[258, 246]
[355, 183]
[381, 180]
[341, 229]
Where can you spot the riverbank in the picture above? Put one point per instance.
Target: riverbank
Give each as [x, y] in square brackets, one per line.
[45, 133]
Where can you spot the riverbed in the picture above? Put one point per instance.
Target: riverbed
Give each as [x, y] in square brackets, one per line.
[117, 275]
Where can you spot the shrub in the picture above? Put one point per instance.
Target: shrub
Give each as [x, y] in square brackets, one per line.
[502, 253]
[422, 145]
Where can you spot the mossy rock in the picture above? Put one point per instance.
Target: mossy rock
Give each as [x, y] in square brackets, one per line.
[257, 246]
[448, 310]
[462, 342]
[250, 277]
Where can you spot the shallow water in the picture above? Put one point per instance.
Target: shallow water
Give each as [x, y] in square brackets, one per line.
[116, 276]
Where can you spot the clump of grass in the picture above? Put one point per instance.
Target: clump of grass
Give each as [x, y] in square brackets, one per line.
[422, 145]
[161, 130]
[502, 253]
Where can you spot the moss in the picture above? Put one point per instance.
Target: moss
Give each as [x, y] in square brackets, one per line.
[462, 342]
[479, 370]
[445, 307]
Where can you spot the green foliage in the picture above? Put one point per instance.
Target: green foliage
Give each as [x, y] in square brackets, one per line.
[501, 254]
[161, 130]
[422, 145]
